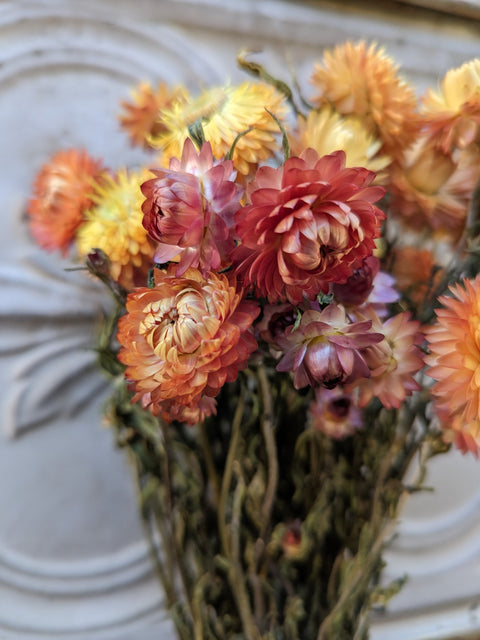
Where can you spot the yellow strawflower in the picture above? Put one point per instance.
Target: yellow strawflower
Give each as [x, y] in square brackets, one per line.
[326, 131]
[114, 225]
[224, 112]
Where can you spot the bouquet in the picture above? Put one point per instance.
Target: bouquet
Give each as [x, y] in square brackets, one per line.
[294, 317]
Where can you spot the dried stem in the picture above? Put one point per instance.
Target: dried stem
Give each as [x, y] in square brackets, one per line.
[228, 471]
[236, 574]
[211, 471]
[271, 449]
[177, 554]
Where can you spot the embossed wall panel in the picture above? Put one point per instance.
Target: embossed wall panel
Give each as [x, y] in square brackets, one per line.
[73, 560]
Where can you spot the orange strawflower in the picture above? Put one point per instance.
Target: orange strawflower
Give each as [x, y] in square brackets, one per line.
[452, 114]
[183, 339]
[414, 272]
[61, 195]
[114, 225]
[362, 80]
[224, 112]
[466, 437]
[454, 360]
[141, 118]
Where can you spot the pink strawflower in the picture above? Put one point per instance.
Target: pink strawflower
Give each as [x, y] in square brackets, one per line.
[325, 348]
[335, 412]
[276, 319]
[359, 285]
[367, 285]
[393, 362]
[189, 210]
[308, 223]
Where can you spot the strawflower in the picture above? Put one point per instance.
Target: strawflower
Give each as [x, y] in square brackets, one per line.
[183, 339]
[335, 413]
[416, 272]
[393, 362]
[432, 189]
[62, 193]
[454, 360]
[325, 348]
[189, 210]
[141, 117]
[451, 115]
[225, 112]
[114, 225]
[362, 80]
[326, 131]
[308, 223]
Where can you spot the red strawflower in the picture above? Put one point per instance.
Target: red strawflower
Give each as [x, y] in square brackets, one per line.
[308, 223]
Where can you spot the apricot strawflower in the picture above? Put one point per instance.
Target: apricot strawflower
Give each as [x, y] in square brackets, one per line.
[183, 339]
[356, 79]
[432, 189]
[114, 225]
[451, 115]
[225, 112]
[189, 210]
[141, 117]
[61, 196]
[308, 223]
[454, 360]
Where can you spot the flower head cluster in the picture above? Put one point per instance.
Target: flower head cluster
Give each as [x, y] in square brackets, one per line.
[230, 254]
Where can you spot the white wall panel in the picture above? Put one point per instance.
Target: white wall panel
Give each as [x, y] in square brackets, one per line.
[73, 560]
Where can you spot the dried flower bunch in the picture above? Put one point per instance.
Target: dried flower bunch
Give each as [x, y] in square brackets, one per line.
[296, 316]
